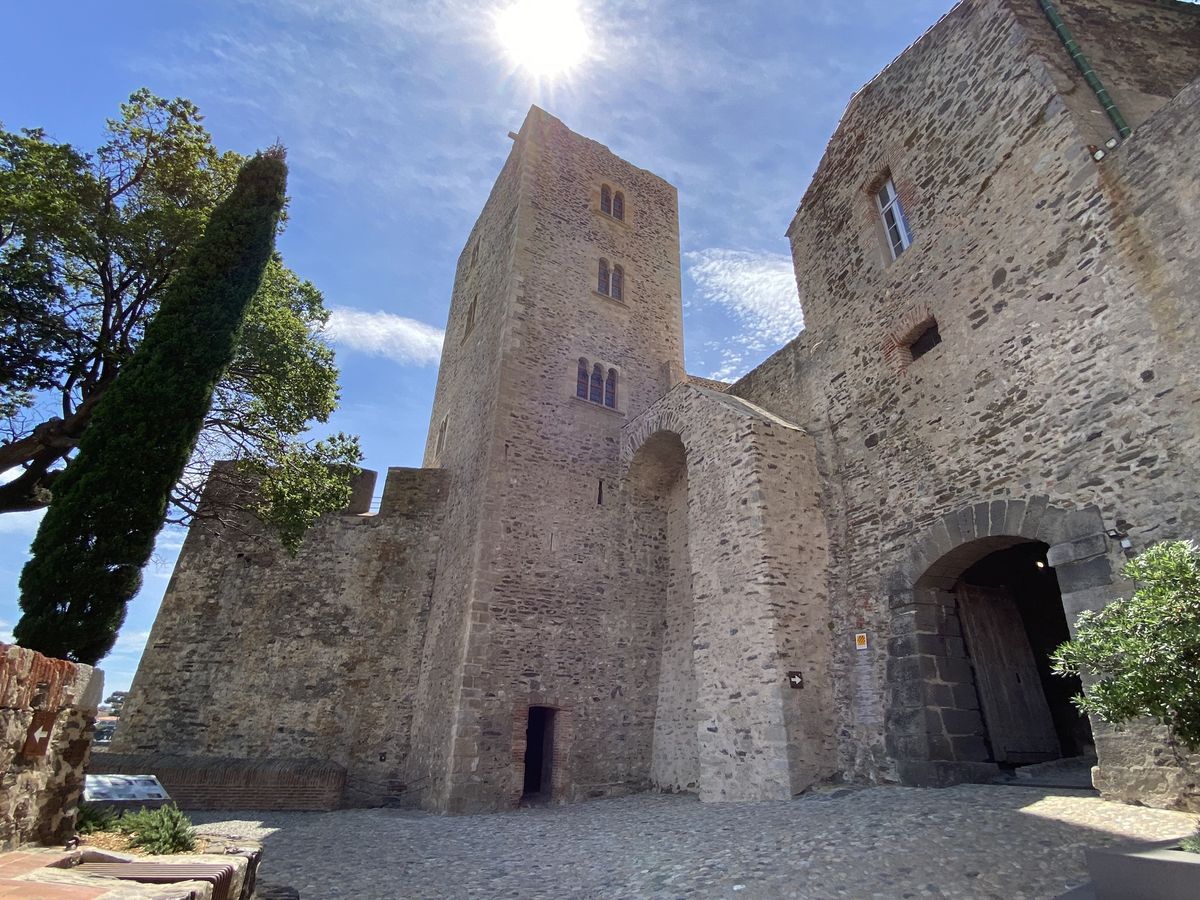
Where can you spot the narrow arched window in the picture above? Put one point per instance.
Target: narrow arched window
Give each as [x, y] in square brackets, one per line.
[617, 290]
[618, 205]
[597, 392]
[581, 382]
[606, 199]
[610, 389]
[602, 281]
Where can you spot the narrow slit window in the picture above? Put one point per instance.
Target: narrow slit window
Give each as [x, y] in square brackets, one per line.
[895, 224]
[602, 284]
[581, 382]
[470, 323]
[617, 291]
[600, 492]
[606, 199]
[618, 205]
[440, 444]
[596, 394]
[610, 389]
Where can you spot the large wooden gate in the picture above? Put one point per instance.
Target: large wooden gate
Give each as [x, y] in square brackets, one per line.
[1015, 711]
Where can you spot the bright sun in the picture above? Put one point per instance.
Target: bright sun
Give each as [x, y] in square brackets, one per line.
[545, 37]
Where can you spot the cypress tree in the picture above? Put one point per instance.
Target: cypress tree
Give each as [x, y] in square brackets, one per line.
[111, 500]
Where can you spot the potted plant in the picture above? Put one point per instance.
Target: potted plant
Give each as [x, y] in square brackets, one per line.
[1141, 656]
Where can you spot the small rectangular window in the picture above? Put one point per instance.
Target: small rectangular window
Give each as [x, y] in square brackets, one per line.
[899, 236]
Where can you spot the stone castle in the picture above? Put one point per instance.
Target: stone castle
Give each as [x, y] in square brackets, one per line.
[611, 576]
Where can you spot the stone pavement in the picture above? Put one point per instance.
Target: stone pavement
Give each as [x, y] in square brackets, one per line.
[971, 841]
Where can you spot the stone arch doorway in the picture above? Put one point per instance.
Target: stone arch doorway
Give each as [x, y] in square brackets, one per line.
[974, 619]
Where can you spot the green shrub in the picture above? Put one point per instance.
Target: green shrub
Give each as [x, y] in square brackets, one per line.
[1191, 844]
[1144, 651]
[94, 818]
[159, 831]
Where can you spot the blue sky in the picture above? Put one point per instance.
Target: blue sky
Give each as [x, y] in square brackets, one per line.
[395, 114]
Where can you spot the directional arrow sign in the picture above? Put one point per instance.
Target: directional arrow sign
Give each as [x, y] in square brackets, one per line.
[796, 680]
[37, 739]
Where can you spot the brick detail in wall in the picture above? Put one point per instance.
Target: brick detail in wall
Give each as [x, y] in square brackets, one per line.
[896, 346]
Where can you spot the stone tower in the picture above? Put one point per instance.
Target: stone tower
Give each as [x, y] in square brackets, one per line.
[565, 323]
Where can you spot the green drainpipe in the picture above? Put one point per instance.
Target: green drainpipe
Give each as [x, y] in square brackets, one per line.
[1085, 67]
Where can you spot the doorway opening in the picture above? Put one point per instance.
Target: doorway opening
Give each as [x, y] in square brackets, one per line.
[539, 754]
[1012, 618]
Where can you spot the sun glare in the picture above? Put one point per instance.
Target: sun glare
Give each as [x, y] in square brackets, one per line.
[544, 37]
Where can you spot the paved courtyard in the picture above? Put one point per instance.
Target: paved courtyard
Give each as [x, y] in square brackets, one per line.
[975, 841]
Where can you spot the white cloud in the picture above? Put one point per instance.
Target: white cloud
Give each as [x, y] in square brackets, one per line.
[130, 643]
[759, 289]
[385, 334]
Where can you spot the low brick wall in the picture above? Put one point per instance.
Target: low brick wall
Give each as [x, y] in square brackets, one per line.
[224, 783]
[47, 709]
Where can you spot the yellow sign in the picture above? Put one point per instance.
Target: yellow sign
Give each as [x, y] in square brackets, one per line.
[860, 641]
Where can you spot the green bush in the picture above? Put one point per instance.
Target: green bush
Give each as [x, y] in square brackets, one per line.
[1144, 651]
[1191, 844]
[158, 831]
[94, 818]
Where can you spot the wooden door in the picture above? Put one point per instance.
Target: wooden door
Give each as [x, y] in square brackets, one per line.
[1015, 710]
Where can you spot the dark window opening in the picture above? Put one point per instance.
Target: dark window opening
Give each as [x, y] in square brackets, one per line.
[596, 395]
[539, 752]
[602, 280]
[606, 200]
[581, 381]
[600, 493]
[618, 206]
[618, 283]
[610, 389]
[928, 339]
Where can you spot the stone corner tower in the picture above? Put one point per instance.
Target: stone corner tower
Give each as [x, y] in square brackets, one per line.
[565, 323]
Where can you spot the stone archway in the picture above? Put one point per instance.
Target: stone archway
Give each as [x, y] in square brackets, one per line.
[728, 494]
[934, 724]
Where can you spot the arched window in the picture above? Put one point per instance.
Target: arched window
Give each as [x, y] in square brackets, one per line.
[606, 199]
[610, 389]
[617, 290]
[597, 392]
[581, 383]
[602, 282]
[618, 205]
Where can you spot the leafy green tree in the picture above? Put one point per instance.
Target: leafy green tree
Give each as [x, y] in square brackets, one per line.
[89, 243]
[1144, 651]
[111, 499]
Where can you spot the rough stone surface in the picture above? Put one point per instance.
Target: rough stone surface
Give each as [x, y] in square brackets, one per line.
[39, 794]
[652, 572]
[976, 842]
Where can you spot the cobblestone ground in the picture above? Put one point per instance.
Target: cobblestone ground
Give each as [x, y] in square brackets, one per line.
[975, 841]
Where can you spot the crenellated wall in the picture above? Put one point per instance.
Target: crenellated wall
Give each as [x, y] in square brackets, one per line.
[256, 655]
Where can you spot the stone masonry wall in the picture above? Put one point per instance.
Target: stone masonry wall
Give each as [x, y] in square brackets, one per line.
[466, 399]
[256, 655]
[1064, 373]
[550, 622]
[757, 610]
[41, 780]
